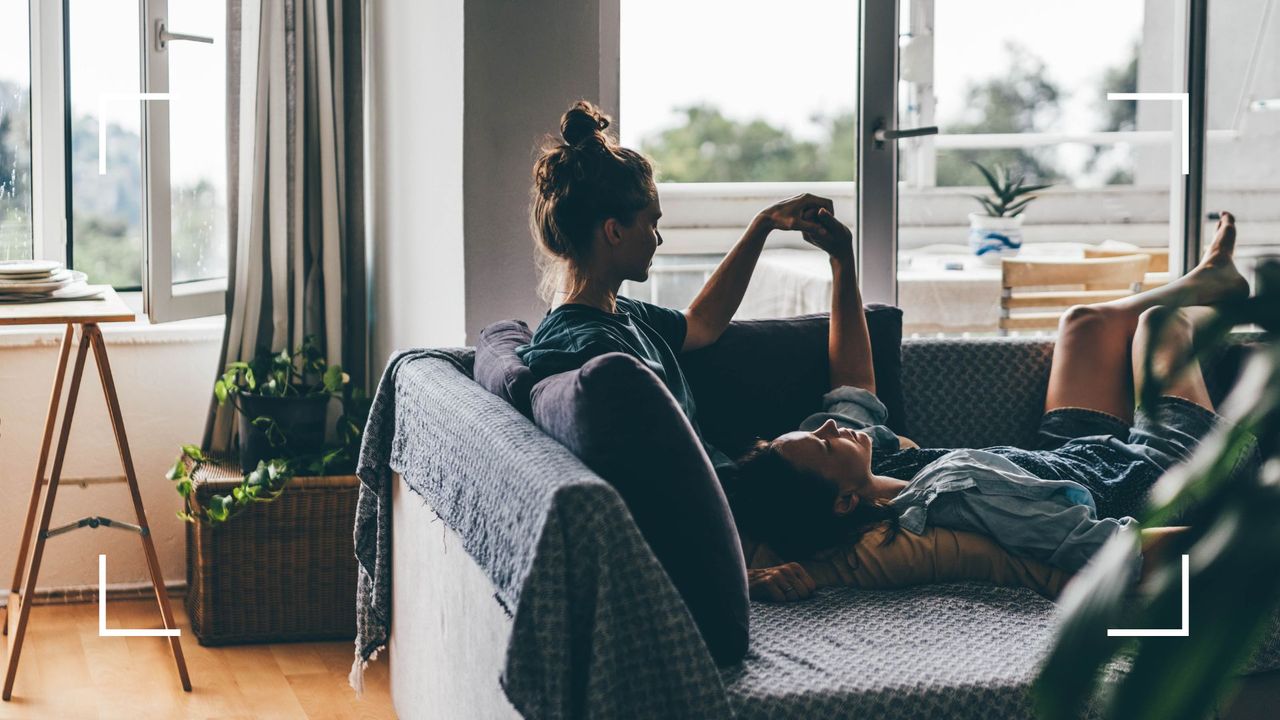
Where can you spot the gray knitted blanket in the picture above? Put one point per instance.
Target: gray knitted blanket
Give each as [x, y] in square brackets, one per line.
[373, 512]
[598, 628]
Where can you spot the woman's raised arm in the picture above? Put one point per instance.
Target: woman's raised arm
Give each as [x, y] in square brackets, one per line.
[709, 313]
[848, 340]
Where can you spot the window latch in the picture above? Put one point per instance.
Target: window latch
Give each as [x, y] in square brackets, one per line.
[164, 37]
[882, 134]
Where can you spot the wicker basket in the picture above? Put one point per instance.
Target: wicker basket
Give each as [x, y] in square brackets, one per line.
[278, 572]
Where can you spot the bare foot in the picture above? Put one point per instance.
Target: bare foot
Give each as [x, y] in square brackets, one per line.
[1216, 278]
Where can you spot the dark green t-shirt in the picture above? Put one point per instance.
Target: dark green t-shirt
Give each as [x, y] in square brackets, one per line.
[572, 334]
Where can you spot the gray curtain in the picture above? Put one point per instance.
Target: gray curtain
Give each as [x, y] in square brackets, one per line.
[295, 186]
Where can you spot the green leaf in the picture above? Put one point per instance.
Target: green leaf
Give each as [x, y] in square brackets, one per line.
[991, 180]
[220, 392]
[184, 487]
[194, 452]
[178, 471]
[218, 509]
[1019, 206]
[249, 379]
[990, 207]
[1034, 188]
[1092, 602]
[333, 378]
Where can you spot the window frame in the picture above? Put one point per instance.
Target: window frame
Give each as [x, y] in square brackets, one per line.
[49, 131]
[877, 216]
[52, 238]
[163, 300]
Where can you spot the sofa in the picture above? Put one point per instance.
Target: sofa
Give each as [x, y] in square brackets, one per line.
[517, 584]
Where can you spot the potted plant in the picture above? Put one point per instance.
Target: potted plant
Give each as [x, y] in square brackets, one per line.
[281, 400]
[997, 232]
[267, 480]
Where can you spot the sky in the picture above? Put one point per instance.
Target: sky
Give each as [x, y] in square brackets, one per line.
[104, 59]
[786, 61]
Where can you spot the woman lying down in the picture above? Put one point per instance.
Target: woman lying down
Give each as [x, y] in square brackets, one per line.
[906, 515]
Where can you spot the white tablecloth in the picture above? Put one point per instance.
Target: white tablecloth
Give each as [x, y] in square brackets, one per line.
[941, 288]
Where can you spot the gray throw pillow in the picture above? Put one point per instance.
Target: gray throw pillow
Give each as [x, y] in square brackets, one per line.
[498, 369]
[619, 418]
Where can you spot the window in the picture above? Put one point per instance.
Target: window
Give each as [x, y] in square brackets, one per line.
[141, 144]
[15, 132]
[1010, 86]
[1243, 117]
[107, 207]
[1001, 82]
[738, 108]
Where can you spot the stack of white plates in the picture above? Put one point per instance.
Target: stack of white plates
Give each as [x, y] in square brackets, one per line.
[26, 281]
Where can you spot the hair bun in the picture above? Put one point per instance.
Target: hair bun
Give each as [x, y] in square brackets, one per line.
[583, 121]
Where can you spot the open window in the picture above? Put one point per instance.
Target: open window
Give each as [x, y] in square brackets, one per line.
[128, 168]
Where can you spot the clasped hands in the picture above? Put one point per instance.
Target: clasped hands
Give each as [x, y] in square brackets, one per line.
[815, 218]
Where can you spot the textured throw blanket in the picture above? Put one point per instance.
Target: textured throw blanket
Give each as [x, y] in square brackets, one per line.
[598, 628]
[373, 513]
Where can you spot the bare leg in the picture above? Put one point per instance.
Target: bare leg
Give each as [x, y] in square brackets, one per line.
[1092, 360]
[1177, 331]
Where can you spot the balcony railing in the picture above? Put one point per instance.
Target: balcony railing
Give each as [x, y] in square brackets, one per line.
[701, 221]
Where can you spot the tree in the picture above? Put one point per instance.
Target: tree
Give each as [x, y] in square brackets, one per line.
[106, 210]
[1117, 115]
[710, 147]
[1023, 100]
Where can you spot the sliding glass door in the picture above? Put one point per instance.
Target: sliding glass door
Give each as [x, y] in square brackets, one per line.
[1039, 93]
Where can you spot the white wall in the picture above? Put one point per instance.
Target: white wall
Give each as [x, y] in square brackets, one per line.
[525, 63]
[459, 101]
[163, 378]
[414, 174]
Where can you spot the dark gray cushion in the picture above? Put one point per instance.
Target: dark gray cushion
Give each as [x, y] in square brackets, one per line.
[619, 418]
[497, 368]
[762, 377]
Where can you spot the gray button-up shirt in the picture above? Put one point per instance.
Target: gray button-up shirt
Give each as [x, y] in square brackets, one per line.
[1054, 521]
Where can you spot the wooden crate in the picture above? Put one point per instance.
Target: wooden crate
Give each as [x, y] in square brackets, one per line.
[278, 572]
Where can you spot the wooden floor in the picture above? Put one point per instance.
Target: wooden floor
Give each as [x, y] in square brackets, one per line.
[68, 671]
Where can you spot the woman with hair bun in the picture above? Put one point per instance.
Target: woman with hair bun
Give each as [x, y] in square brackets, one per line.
[595, 216]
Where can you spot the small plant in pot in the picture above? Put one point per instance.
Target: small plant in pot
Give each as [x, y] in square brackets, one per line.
[281, 400]
[997, 232]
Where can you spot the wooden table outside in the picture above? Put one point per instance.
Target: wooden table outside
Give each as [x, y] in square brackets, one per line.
[85, 315]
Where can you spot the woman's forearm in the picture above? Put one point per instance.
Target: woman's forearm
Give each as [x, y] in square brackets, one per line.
[848, 341]
[710, 312]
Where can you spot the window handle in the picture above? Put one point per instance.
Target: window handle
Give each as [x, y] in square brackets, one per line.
[164, 37]
[883, 134]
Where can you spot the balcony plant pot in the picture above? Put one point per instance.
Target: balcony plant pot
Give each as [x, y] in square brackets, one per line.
[299, 427]
[993, 238]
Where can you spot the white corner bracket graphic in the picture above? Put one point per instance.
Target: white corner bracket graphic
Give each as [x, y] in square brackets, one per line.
[1186, 117]
[1185, 630]
[102, 119]
[104, 632]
